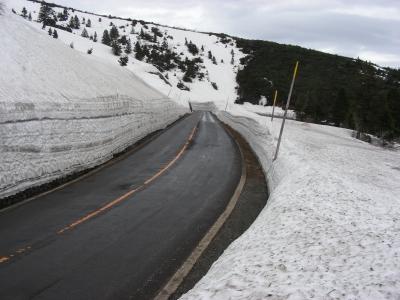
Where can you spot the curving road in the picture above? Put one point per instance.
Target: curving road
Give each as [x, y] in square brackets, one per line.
[122, 231]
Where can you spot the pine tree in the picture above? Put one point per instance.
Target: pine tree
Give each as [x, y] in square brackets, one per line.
[128, 48]
[95, 37]
[83, 20]
[232, 61]
[155, 38]
[139, 55]
[65, 14]
[114, 33]
[99, 20]
[55, 34]
[71, 23]
[84, 33]
[202, 48]
[186, 41]
[106, 38]
[76, 22]
[90, 51]
[116, 48]
[30, 17]
[24, 12]
[44, 13]
[123, 61]
[89, 23]
[214, 61]
[133, 30]
[210, 56]
[50, 31]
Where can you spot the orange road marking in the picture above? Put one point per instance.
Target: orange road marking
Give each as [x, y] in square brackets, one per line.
[109, 205]
[125, 196]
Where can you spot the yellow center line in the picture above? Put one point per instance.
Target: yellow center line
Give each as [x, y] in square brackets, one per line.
[115, 201]
[130, 193]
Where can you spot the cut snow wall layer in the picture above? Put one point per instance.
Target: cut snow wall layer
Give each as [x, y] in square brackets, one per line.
[62, 111]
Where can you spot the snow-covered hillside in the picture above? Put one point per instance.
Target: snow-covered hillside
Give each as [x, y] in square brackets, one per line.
[62, 111]
[215, 79]
[331, 227]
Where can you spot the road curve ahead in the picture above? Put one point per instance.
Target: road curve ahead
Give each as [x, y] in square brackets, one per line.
[122, 231]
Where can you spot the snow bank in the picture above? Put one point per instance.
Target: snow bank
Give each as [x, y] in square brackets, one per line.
[62, 111]
[331, 228]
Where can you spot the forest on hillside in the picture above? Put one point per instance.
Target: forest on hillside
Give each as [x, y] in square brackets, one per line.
[330, 89]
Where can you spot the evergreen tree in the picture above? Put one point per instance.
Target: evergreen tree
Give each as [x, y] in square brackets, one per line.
[99, 20]
[141, 33]
[214, 61]
[50, 31]
[84, 33]
[44, 13]
[155, 38]
[55, 34]
[123, 40]
[83, 20]
[202, 48]
[30, 17]
[24, 12]
[210, 56]
[90, 51]
[65, 14]
[128, 48]
[89, 23]
[71, 23]
[133, 30]
[114, 33]
[77, 24]
[116, 48]
[123, 60]
[139, 55]
[186, 41]
[106, 40]
[95, 37]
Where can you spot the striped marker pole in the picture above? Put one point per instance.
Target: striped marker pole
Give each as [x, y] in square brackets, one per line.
[286, 109]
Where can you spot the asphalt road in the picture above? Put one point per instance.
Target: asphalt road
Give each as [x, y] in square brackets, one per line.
[121, 232]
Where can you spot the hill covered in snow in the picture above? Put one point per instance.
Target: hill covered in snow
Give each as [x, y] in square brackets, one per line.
[183, 64]
[62, 111]
[196, 66]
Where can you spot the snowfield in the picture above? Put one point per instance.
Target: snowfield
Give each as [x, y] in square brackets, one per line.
[62, 111]
[331, 227]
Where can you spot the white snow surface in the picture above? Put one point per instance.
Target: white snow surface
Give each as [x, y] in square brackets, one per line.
[267, 110]
[331, 226]
[62, 111]
[223, 74]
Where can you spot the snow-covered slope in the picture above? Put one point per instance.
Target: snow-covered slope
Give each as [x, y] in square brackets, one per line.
[62, 110]
[223, 73]
[331, 227]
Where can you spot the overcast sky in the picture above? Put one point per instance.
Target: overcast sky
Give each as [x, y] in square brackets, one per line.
[369, 29]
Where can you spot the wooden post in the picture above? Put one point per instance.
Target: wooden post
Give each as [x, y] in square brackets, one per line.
[273, 107]
[286, 109]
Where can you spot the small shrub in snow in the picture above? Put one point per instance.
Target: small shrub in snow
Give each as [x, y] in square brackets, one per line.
[123, 61]
[55, 34]
[24, 12]
[214, 85]
[181, 86]
[90, 51]
[95, 37]
[72, 45]
[50, 31]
